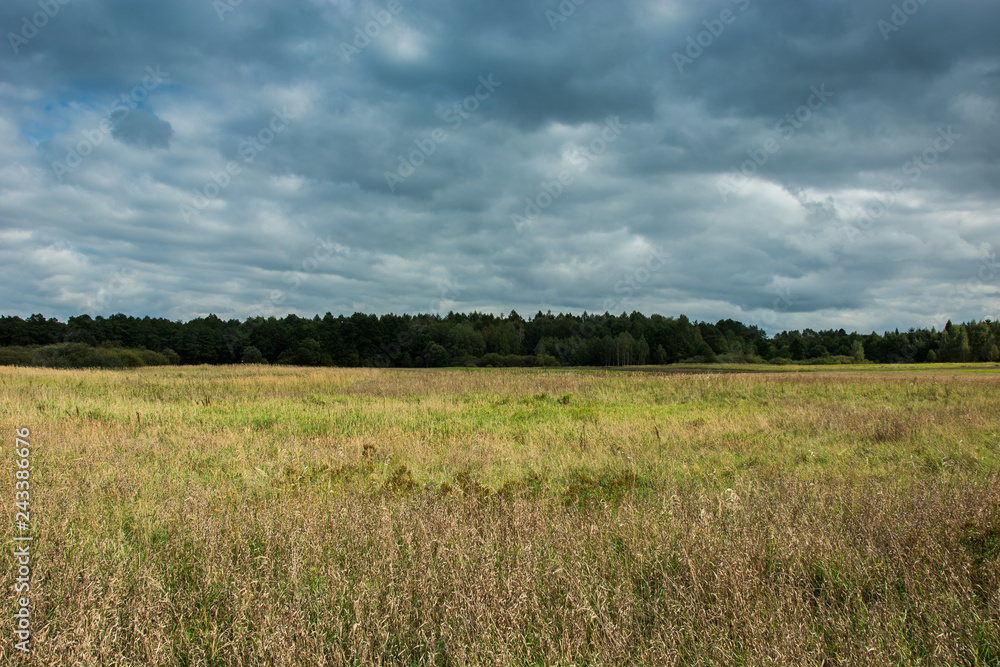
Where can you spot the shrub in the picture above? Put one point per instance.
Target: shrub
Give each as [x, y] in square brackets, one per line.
[465, 360]
[150, 358]
[831, 360]
[130, 358]
[16, 355]
[81, 355]
[251, 355]
[436, 356]
[546, 360]
[492, 360]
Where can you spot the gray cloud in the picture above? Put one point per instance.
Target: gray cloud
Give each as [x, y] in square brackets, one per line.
[142, 129]
[273, 193]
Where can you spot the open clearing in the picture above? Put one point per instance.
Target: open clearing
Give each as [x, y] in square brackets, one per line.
[252, 515]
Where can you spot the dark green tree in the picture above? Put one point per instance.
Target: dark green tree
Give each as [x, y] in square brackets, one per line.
[251, 355]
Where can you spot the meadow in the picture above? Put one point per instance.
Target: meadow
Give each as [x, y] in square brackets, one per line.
[259, 515]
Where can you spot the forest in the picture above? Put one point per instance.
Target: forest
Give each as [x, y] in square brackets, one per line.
[474, 339]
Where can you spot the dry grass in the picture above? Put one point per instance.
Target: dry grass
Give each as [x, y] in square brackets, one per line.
[258, 516]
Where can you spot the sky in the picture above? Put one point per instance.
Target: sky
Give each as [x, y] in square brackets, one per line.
[789, 164]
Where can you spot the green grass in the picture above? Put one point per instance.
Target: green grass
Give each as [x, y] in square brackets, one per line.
[275, 515]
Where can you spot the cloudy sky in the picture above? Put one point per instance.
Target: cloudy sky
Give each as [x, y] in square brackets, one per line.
[790, 164]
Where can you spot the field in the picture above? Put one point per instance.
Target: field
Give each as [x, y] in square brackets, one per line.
[254, 515]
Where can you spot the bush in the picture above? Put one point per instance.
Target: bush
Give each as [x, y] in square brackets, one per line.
[309, 353]
[492, 360]
[97, 357]
[546, 360]
[130, 358]
[435, 356]
[77, 355]
[81, 355]
[150, 358]
[514, 360]
[706, 353]
[465, 360]
[16, 355]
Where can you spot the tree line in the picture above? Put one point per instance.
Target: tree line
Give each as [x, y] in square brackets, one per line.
[474, 339]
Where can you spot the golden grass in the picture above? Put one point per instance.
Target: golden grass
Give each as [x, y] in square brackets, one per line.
[259, 516]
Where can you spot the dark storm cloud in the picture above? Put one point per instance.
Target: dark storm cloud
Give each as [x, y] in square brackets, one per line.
[317, 155]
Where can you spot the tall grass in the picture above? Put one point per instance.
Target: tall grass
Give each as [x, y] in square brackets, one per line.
[252, 516]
